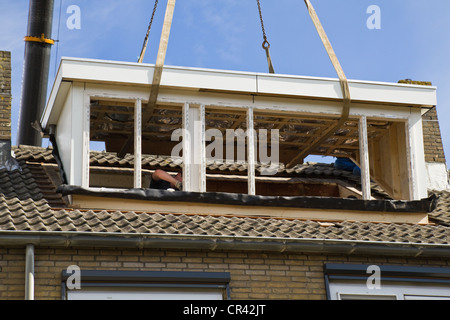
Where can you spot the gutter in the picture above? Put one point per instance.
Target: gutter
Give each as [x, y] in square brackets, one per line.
[219, 243]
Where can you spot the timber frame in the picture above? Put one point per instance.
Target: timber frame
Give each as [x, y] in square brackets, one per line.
[94, 100]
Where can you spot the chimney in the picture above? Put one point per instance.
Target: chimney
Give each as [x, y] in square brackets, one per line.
[35, 73]
[437, 172]
[6, 160]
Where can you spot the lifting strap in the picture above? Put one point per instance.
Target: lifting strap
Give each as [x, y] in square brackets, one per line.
[265, 44]
[157, 75]
[344, 87]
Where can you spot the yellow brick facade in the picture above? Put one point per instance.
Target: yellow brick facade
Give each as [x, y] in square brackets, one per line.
[253, 275]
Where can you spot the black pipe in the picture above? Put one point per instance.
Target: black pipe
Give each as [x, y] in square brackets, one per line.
[36, 71]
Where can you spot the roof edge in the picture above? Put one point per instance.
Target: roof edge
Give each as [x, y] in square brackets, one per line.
[321, 203]
[221, 243]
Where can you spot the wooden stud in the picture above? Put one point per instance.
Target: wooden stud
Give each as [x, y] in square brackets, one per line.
[186, 149]
[202, 147]
[251, 152]
[364, 158]
[86, 137]
[138, 144]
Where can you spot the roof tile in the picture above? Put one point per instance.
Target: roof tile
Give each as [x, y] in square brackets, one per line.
[24, 208]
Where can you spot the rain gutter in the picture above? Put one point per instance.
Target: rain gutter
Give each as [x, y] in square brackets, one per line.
[221, 243]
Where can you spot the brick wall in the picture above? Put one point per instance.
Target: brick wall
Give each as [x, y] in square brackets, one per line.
[5, 95]
[434, 149]
[253, 275]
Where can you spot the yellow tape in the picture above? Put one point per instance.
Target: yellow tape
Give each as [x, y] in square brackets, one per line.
[42, 39]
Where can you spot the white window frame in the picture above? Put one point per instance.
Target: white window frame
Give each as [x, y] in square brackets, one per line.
[146, 285]
[340, 290]
[348, 281]
[88, 96]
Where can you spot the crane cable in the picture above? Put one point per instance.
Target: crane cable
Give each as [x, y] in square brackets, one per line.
[265, 44]
[144, 46]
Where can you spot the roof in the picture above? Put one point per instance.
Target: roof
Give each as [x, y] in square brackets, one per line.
[29, 204]
[310, 171]
[137, 74]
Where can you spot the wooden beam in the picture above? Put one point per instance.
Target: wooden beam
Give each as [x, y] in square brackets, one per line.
[157, 75]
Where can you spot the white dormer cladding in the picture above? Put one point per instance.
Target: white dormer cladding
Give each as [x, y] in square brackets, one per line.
[80, 81]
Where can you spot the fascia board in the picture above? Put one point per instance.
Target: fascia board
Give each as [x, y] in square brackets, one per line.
[361, 91]
[134, 74]
[50, 106]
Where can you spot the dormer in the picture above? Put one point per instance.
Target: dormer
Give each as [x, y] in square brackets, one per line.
[264, 122]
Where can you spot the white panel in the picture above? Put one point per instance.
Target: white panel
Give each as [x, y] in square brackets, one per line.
[364, 158]
[71, 135]
[245, 82]
[107, 71]
[64, 138]
[361, 91]
[437, 176]
[82, 106]
[201, 140]
[195, 163]
[209, 79]
[417, 156]
[138, 144]
[186, 149]
[194, 133]
[388, 290]
[146, 294]
[251, 152]
[393, 93]
[55, 105]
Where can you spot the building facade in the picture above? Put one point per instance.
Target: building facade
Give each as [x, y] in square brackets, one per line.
[316, 239]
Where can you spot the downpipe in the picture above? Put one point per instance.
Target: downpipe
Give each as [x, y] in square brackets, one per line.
[29, 272]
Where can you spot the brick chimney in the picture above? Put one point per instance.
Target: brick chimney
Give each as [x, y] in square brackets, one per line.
[6, 160]
[434, 149]
[5, 96]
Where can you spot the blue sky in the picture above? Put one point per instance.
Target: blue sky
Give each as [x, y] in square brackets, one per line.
[412, 43]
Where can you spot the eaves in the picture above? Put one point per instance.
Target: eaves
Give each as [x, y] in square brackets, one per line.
[222, 243]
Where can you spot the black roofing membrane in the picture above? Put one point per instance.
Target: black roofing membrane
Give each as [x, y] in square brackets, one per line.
[424, 205]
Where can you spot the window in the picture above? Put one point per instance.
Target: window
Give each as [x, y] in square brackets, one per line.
[358, 282]
[141, 285]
